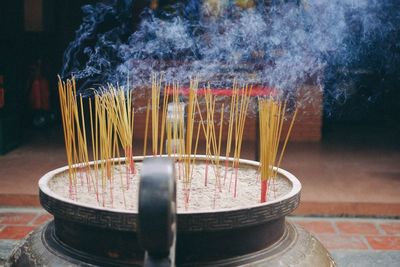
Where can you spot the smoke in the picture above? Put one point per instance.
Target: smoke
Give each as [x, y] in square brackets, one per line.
[282, 44]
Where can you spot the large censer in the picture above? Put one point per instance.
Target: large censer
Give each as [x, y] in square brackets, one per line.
[84, 235]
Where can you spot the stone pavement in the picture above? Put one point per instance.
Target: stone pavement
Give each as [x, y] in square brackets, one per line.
[357, 242]
[353, 242]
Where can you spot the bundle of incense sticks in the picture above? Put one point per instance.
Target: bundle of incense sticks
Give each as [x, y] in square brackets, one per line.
[272, 114]
[213, 139]
[111, 117]
[111, 126]
[188, 147]
[241, 105]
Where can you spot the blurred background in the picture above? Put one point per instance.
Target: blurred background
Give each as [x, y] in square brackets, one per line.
[345, 145]
[351, 132]
[34, 34]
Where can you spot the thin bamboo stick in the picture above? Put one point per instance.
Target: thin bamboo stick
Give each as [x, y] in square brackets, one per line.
[164, 117]
[155, 100]
[146, 128]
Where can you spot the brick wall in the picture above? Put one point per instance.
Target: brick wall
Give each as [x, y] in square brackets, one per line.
[308, 124]
[307, 127]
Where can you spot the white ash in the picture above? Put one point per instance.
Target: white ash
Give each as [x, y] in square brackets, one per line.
[217, 194]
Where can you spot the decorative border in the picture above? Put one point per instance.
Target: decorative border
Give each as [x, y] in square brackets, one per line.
[211, 220]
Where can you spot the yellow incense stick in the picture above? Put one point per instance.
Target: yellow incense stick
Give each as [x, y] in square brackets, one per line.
[146, 128]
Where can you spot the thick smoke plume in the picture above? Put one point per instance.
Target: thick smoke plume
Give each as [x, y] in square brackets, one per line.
[280, 44]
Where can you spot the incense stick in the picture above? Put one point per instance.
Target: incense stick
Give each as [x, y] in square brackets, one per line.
[272, 113]
[164, 116]
[155, 101]
[241, 115]
[112, 121]
[192, 98]
[146, 128]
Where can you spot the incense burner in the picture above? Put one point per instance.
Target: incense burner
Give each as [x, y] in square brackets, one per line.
[255, 235]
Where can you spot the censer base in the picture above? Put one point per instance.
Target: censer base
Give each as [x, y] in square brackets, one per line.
[296, 247]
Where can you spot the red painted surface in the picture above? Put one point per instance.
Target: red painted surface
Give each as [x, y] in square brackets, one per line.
[264, 187]
[39, 95]
[255, 91]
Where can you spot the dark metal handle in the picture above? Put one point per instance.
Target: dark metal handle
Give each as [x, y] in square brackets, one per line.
[157, 212]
